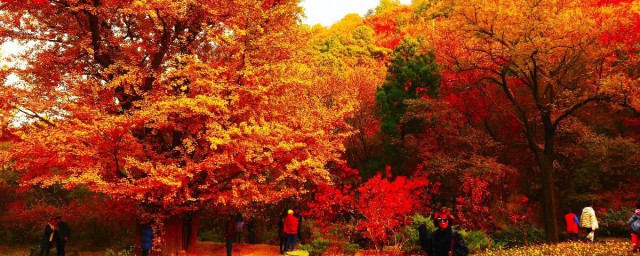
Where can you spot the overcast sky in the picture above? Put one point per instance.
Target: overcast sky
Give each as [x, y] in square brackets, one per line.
[327, 12]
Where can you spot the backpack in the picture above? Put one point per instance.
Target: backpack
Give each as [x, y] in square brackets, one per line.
[635, 225]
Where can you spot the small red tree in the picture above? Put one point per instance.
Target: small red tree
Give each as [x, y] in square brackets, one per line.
[387, 204]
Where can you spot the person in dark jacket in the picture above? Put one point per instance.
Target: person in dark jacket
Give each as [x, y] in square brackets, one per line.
[298, 215]
[444, 241]
[230, 233]
[146, 240]
[251, 232]
[47, 238]
[62, 236]
[281, 234]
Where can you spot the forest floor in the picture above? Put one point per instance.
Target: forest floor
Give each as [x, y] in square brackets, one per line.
[607, 247]
[201, 249]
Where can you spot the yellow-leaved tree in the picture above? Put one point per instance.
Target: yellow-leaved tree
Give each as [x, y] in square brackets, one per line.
[168, 105]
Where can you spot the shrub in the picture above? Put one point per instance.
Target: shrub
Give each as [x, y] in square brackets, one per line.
[211, 235]
[386, 205]
[129, 251]
[412, 232]
[476, 240]
[515, 237]
[317, 247]
[614, 223]
[350, 249]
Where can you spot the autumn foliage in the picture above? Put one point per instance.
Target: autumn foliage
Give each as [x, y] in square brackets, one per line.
[504, 111]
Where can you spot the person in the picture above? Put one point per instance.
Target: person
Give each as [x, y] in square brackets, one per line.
[230, 233]
[291, 230]
[239, 227]
[62, 236]
[634, 223]
[146, 239]
[281, 233]
[251, 232]
[298, 215]
[588, 221]
[571, 219]
[444, 241]
[47, 238]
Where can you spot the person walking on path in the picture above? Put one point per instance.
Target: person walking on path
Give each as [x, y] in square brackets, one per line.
[239, 228]
[47, 238]
[291, 230]
[571, 219]
[444, 241]
[634, 223]
[230, 233]
[589, 222]
[298, 215]
[146, 239]
[62, 236]
[251, 232]
[281, 234]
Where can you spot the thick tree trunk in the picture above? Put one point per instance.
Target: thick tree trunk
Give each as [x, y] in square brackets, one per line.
[180, 233]
[550, 218]
[172, 237]
[194, 230]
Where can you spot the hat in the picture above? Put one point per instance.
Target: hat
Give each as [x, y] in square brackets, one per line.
[290, 211]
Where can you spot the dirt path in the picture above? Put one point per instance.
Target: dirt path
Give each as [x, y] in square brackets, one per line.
[201, 249]
[212, 248]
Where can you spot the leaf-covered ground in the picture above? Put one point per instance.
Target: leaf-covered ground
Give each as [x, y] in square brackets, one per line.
[604, 248]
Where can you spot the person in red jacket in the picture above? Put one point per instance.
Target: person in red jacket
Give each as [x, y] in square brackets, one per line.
[291, 231]
[572, 225]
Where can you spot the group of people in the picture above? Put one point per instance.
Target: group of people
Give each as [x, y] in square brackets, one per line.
[444, 241]
[587, 222]
[56, 232]
[234, 230]
[289, 228]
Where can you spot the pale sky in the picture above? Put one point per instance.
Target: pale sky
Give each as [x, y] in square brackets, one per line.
[327, 12]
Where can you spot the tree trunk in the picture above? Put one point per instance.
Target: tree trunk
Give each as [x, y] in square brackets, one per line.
[180, 233]
[195, 224]
[137, 249]
[550, 218]
[172, 237]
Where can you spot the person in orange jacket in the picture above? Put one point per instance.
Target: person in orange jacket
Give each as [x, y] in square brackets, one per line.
[291, 231]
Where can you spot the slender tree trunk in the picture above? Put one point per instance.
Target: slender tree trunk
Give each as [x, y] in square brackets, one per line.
[137, 249]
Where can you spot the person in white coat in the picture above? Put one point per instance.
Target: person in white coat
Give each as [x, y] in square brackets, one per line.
[589, 222]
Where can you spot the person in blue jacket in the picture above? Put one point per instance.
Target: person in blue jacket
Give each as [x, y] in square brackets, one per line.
[146, 241]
